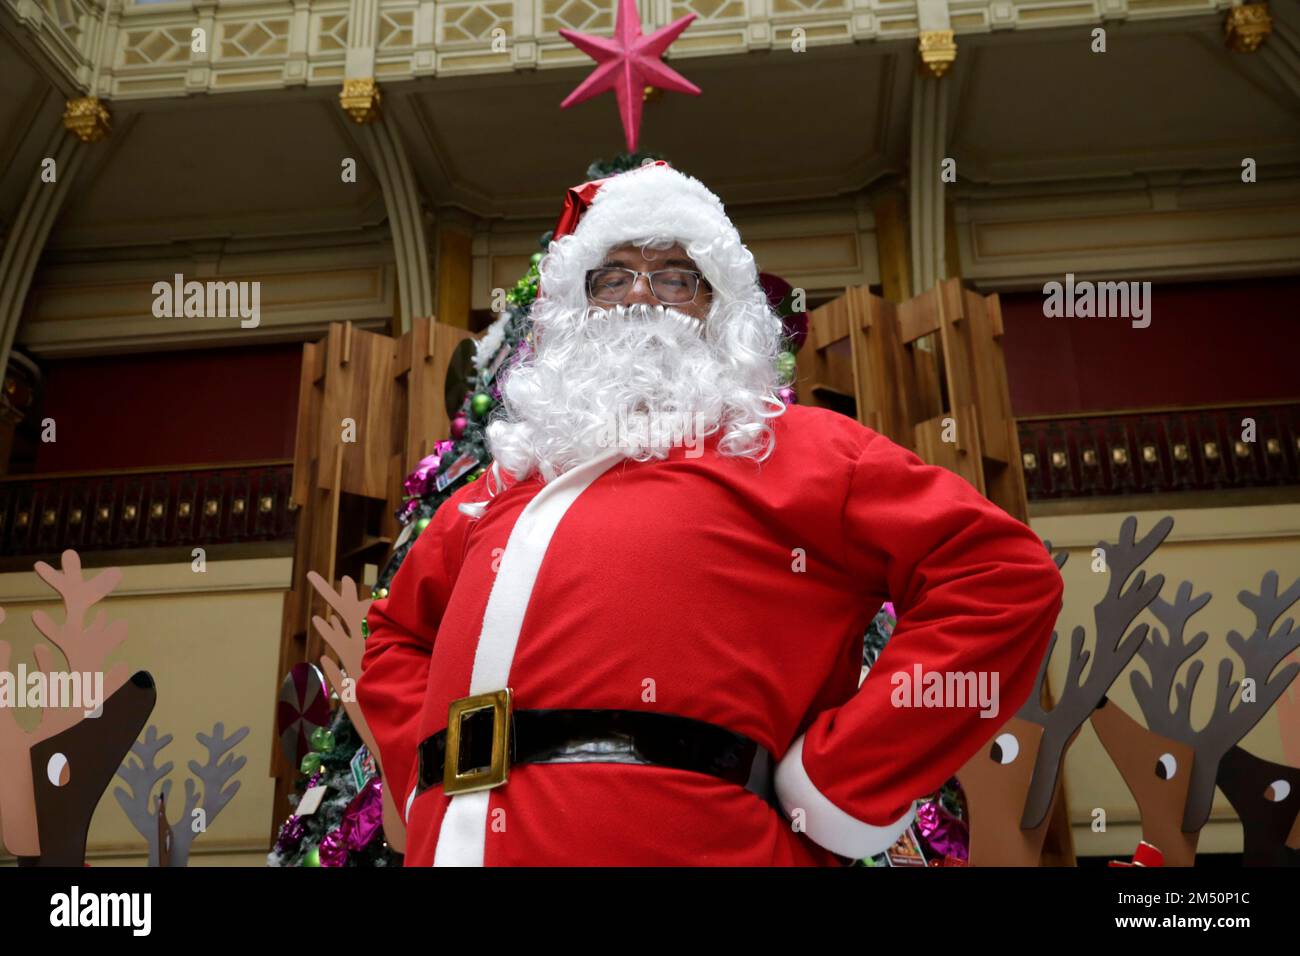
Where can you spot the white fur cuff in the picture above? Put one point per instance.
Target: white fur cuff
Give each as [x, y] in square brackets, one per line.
[825, 823]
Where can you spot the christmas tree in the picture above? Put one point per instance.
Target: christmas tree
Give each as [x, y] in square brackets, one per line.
[940, 829]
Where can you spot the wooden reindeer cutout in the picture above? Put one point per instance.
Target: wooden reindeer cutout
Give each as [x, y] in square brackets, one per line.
[1266, 797]
[71, 771]
[1170, 768]
[348, 642]
[168, 847]
[53, 775]
[1013, 783]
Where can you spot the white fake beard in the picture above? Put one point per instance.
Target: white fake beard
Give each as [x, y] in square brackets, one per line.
[638, 378]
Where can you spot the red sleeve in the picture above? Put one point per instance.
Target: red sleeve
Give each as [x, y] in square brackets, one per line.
[402, 626]
[976, 594]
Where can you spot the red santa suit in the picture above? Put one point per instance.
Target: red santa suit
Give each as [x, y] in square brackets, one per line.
[725, 590]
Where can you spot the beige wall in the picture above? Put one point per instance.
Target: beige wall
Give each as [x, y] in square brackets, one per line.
[1220, 550]
[211, 641]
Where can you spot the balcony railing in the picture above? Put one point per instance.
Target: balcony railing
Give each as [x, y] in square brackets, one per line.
[140, 508]
[1152, 452]
[1074, 457]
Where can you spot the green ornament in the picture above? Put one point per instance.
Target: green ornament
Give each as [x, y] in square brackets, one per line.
[785, 365]
[310, 764]
[312, 858]
[365, 628]
[421, 525]
[322, 739]
[481, 404]
[535, 258]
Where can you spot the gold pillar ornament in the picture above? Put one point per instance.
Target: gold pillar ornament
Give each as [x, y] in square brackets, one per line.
[87, 119]
[1247, 26]
[938, 49]
[360, 99]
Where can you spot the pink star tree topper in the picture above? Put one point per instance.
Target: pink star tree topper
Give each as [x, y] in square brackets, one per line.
[627, 63]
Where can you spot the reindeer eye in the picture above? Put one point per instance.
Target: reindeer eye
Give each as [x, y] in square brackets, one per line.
[1166, 767]
[1278, 791]
[57, 770]
[1006, 748]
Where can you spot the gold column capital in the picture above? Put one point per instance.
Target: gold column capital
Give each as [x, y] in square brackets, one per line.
[360, 99]
[938, 50]
[87, 119]
[1246, 27]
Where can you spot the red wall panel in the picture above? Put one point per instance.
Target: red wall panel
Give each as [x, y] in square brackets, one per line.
[1208, 342]
[171, 408]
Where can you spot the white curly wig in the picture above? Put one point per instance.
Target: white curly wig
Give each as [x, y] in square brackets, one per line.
[556, 402]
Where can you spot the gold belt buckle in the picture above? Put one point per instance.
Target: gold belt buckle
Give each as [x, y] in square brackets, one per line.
[495, 774]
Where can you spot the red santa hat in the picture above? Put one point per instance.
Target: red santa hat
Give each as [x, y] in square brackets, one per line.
[650, 201]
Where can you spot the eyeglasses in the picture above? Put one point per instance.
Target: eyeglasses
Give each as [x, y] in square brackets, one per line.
[612, 284]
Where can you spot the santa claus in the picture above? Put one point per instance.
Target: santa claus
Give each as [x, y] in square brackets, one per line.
[638, 639]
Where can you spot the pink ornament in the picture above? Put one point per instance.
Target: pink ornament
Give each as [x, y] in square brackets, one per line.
[458, 426]
[788, 396]
[628, 63]
[417, 482]
[333, 849]
[943, 833]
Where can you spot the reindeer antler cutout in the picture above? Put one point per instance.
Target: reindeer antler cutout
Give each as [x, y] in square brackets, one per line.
[143, 776]
[1163, 659]
[1288, 722]
[1261, 653]
[141, 773]
[85, 649]
[1114, 647]
[347, 640]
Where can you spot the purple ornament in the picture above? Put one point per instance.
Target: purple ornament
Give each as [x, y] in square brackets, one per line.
[787, 395]
[364, 816]
[333, 852]
[290, 835]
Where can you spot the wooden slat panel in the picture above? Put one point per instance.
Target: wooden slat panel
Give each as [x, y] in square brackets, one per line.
[308, 409]
[918, 317]
[360, 389]
[961, 456]
[431, 345]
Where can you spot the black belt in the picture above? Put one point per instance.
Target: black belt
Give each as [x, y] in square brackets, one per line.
[586, 736]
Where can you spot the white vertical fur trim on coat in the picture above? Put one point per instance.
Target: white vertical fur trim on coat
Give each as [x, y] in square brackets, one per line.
[462, 839]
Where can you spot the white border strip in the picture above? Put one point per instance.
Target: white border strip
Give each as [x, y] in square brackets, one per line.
[825, 823]
[463, 837]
